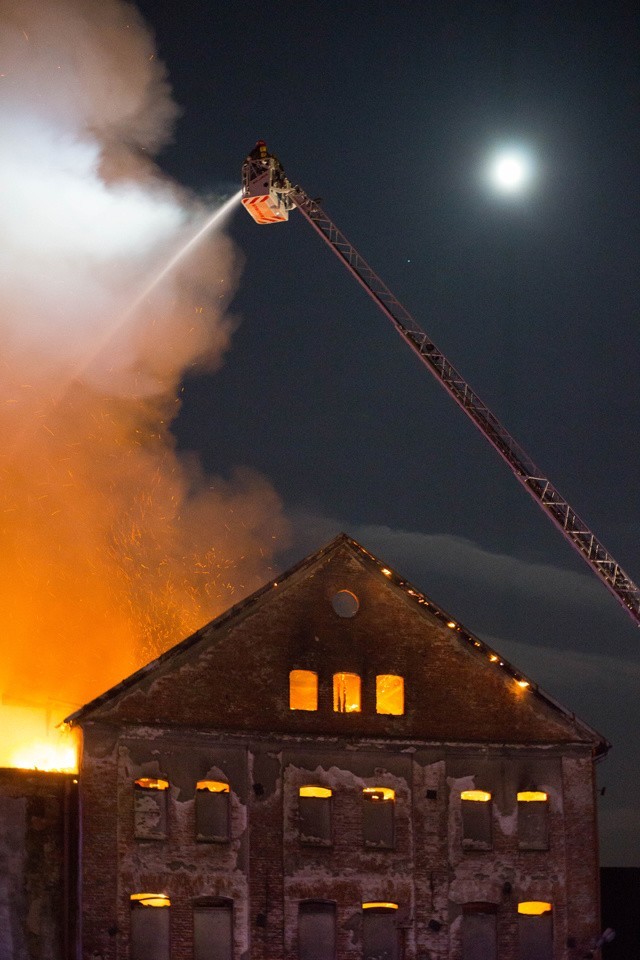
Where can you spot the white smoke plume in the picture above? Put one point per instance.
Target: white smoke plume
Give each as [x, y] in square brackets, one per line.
[113, 547]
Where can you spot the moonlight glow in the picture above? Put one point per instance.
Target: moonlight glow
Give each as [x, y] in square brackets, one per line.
[510, 171]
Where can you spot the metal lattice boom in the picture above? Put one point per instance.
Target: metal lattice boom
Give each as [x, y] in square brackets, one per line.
[539, 487]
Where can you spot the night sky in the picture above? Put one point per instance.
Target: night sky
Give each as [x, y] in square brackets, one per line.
[389, 112]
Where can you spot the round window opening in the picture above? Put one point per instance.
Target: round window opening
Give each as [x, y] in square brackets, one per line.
[345, 603]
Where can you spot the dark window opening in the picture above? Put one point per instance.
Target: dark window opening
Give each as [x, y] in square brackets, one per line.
[149, 927]
[533, 820]
[212, 811]
[535, 931]
[378, 808]
[479, 933]
[213, 930]
[150, 808]
[316, 930]
[314, 812]
[476, 819]
[379, 932]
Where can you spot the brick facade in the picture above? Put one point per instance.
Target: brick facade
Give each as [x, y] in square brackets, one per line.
[216, 708]
[38, 857]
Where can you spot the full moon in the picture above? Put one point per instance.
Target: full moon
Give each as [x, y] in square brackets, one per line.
[510, 171]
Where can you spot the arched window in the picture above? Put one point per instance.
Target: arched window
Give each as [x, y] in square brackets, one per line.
[213, 929]
[533, 820]
[379, 931]
[378, 808]
[389, 694]
[316, 930]
[535, 930]
[476, 819]
[314, 813]
[346, 693]
[212, 811]
[149, 926]
[150, 808]
[303, 690]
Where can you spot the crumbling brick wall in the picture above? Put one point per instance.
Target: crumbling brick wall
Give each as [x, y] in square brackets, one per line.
[37, 865]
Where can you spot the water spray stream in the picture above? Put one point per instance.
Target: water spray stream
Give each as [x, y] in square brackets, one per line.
[214, 219]
[116, 283]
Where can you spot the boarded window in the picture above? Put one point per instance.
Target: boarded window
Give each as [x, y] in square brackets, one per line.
[479, 934]
[476, 819]
[346, 693]
[212, 811]
[316, 930]
[314, 811]
[303, 690]
[379, 932]
[533, 820]
[535, 931]
[150, 808]
[213, 930]
[149, 926]
[378, 807]
[389, 694]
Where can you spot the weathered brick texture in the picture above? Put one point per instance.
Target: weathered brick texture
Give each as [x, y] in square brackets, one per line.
[38, 857]
[217, 707]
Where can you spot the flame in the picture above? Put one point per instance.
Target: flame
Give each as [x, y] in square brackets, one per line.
[55, 750]
[115, 545]
[44, 755]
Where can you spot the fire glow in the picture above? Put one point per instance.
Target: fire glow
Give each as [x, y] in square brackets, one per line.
[31, 741]
[114, 546]
[45, 755]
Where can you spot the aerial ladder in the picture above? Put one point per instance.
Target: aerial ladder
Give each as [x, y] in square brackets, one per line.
[269, 197]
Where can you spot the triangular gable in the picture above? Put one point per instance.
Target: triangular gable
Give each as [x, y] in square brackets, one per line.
[233, 673]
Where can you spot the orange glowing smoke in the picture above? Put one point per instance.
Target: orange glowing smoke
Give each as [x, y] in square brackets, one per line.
[112, 546]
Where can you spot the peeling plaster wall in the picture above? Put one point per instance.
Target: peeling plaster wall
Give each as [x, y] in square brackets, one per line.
[34, 919]
[266, 870]
[217, 707]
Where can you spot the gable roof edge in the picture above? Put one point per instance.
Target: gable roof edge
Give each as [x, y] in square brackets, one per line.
[601, 745]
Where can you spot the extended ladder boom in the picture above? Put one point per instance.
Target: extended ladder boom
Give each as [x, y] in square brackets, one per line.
[537, 485]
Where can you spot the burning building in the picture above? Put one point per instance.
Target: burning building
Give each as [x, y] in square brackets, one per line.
[334, 768]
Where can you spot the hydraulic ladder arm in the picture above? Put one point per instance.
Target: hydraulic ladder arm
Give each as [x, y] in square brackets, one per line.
[573, 528]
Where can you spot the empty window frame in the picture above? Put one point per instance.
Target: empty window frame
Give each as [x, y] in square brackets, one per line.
[533, 820]
[346, 693]
[379, 931]
[479, 932]
[150, 808]
[378, 809]
[149, 926]
[314, 815]
[476, 819]
[213, 929]
[389, 694]
[303, 690]
[212, 811]
[535, 930]
[316, 930]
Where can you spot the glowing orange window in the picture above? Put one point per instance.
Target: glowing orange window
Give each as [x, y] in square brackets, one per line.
[534, 908]
[389, 694]
[346, 693]
[303, 690]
